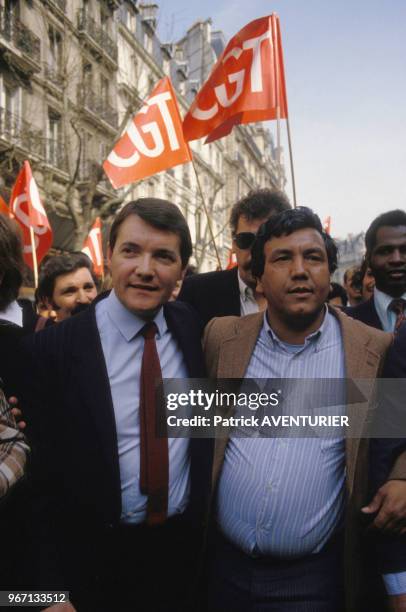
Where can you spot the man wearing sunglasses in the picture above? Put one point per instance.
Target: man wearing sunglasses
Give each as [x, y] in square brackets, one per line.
[233, 292]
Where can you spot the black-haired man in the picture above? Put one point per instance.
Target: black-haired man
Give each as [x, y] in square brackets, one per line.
[385, 242]
[119, 508]
[233, 292]
[281, 504]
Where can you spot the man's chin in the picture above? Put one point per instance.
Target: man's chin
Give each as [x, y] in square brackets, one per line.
[395, 289]
[301, 319]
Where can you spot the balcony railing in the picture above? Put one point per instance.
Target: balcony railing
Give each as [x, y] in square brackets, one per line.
[88, 25]
[99, 107]
[16, 33]
[53, 75]
[16, 131]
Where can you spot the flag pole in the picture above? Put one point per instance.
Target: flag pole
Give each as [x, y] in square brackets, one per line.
[207, 214]
[277, 100]
[277, 51]
[34, 257]
[292, 171]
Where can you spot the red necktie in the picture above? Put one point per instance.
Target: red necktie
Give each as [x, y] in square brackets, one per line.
[398, 307]
[154, 470]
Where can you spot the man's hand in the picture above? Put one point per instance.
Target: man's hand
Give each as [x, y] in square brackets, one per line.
[16, 412]
[397, 603]
[390, 503]
[62, 607]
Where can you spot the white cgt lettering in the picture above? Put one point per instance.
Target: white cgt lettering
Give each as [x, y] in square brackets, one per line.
[237, 77]
[149, 128]
[256, 64]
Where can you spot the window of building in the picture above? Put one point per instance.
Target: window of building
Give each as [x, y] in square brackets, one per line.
[147, 42]
[10, 107]
[127, 17]
[105, 20]
[55, 49]
[87, 76]
[54, 152]
[104, 91]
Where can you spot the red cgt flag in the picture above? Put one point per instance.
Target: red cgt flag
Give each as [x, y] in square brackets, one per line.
[247, 84]
[4, 209]
[27, 208]
[153, 140]
[93, 248]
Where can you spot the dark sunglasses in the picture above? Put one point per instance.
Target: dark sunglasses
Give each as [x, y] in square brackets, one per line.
[244, 240]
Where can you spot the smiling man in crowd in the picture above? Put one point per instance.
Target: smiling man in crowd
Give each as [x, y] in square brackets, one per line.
[233, 292]
[285, 507]
[118, 509]
[385, 242]
[66, 282]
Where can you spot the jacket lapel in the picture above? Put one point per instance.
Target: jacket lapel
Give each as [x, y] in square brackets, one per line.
[362, 365]
[93, 381]
[236, 350]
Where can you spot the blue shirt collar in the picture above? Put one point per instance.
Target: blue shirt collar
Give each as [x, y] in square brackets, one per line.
[320, 337]
[128, 323]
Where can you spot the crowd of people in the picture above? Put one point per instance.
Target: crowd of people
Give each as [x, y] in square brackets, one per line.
[98, 504]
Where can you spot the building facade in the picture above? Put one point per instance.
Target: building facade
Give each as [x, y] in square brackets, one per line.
[72, 74]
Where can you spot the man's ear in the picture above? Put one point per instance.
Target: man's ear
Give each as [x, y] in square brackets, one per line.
[259, 288]
[183, 273]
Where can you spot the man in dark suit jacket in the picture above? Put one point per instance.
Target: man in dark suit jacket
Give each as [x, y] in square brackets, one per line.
[232, 292]
[385, 242]
[101, 529]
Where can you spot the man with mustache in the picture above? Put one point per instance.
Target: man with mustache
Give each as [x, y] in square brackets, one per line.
[118, 509]
[284, 508]
[385, 242]
[233, 292]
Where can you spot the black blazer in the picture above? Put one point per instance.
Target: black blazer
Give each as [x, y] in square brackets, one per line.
[212, 294]
[365, 312]
[384, 451]
[76, 478]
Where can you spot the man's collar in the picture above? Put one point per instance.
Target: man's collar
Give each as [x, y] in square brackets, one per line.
[382, 302]
[128, 323]
[13, 313]
[319, 336]
[245, 291]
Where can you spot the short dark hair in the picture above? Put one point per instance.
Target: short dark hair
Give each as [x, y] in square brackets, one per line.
[284, 224]
[258, 204]
[58, 265]
[11, 262]
[338, 291]
[162, 215]
[391, 218]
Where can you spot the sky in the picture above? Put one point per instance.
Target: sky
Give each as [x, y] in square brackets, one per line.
[345, 68]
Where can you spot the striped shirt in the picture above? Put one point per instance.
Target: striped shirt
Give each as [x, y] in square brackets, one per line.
[13, 449]
[285, 497]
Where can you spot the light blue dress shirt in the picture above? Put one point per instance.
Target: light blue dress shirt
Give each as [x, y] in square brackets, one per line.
[382, 302]
[123, 348]
[285, 497]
